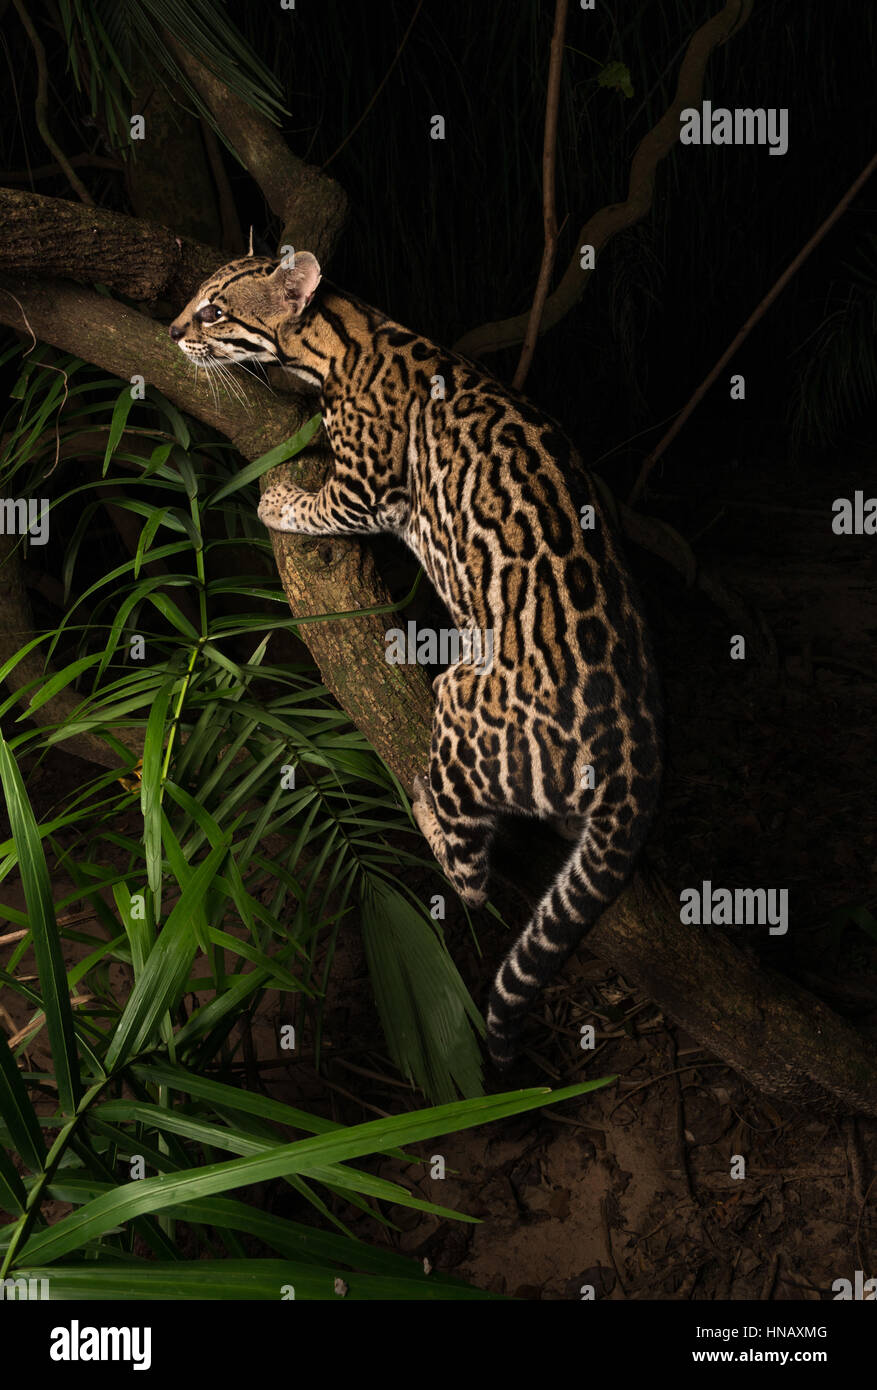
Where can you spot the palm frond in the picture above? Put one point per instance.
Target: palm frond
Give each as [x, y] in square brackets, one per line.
[836, 375]
[104, 36]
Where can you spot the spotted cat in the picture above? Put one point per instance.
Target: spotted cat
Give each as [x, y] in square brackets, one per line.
[564, 721]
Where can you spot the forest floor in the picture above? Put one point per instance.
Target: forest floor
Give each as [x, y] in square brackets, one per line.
[629, 1189]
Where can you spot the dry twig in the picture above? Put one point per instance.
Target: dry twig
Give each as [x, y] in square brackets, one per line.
[41, 106]
[757, 314]
[549, 213]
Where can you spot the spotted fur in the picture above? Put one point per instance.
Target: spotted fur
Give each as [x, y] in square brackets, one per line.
[488, 493]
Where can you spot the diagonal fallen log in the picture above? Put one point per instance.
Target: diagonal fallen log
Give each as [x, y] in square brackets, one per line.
[785, 1040]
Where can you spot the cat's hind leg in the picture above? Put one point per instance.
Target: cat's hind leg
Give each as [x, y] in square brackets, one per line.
[452, 805]
[458, 834]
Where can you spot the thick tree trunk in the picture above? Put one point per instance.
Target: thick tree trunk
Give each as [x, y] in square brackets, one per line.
[784, 1039]
[139, 259]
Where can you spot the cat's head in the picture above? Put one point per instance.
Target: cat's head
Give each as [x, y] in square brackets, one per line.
[244, 311]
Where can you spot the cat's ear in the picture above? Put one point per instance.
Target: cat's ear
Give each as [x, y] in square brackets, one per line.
[297, 283]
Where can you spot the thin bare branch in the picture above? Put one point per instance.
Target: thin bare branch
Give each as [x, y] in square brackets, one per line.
[549, 213]
[377, 92]
[757, 314]
[232, 236]
[41, 106]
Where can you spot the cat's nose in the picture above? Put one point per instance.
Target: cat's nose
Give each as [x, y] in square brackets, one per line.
[176, 333]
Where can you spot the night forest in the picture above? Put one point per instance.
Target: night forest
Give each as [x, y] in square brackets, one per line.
[241, 1007]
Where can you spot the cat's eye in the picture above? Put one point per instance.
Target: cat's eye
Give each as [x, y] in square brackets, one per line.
[209, 314]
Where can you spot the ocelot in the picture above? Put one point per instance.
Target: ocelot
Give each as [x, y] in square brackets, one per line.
[564, 722]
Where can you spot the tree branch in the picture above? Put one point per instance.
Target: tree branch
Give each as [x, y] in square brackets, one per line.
[755, 317]
[312, 205]
[549, 216]
[784, 1039]
[233, 241]
[138, 259]
[41, 106]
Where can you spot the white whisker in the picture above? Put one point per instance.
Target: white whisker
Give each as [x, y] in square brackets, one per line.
[262, 380]
[218, 375]
[232, 387]
[211, 385]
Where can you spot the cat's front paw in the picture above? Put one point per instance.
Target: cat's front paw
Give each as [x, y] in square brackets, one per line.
[277, 509]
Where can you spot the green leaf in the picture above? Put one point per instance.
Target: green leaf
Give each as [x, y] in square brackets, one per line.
[167, 968]
[44, 931]
[239, 1280]
[220, 659]
[616, 75]
[279, 454]
[174, 417]
[59, 681]
[217, 1093]
[13, 661]
[163, 1193]
[157, 459]
[226, 1004]
[151, 789]
[277, 973]
[169, 610]
[132, 598]
[242, 1141]
[425, 1008]
[137, 929]
[289, 1238]
[146, 537]
[121, 411]
[18, 1113]
[180, 869]
[13, 1194]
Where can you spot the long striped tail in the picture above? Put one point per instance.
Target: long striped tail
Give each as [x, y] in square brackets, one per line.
[591, 879]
